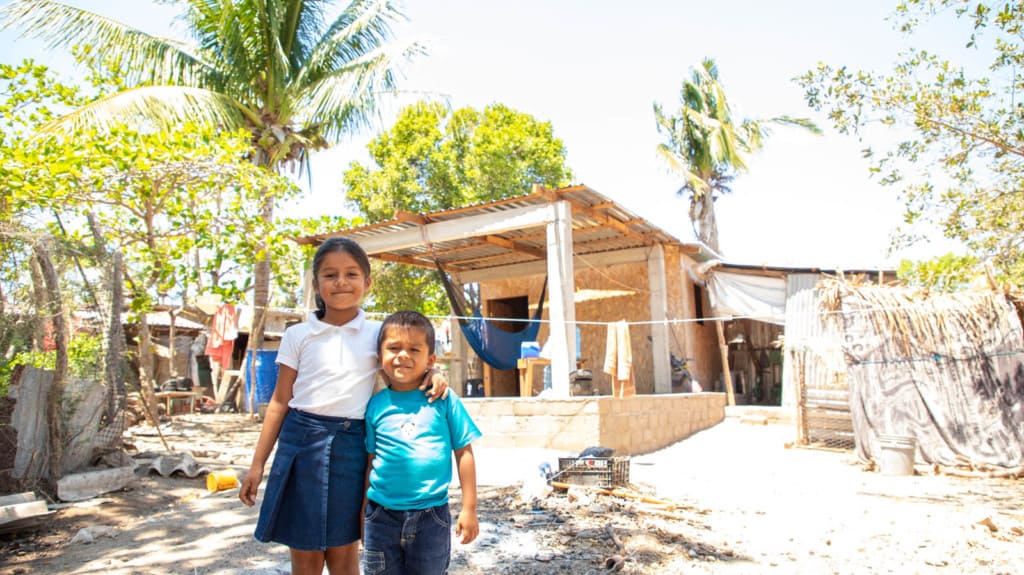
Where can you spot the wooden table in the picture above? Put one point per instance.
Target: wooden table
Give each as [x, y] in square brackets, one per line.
[526, 366]
[169, 397]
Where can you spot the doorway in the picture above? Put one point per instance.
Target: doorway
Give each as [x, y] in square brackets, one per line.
[505, 382]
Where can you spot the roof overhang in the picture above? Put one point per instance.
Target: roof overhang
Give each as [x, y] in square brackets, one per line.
[509, 232]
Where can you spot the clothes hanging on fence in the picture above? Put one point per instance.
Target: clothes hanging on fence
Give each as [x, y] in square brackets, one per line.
[223, 333]
[618, 360]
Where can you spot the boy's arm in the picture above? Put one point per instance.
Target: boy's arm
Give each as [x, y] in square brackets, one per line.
[468, 526]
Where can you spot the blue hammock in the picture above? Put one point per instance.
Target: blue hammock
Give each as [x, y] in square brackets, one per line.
[498, 348]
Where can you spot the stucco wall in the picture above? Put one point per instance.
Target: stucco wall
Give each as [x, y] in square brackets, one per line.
[630, 426]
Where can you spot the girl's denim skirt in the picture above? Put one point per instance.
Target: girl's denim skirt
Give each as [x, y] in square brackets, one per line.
[314, 492]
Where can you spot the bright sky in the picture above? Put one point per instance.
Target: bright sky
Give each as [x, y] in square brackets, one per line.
[594, 68]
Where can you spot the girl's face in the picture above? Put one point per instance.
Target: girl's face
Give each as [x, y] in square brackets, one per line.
[405, 357]
[341, 283]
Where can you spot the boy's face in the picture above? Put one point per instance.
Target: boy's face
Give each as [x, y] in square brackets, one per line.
[405, 357]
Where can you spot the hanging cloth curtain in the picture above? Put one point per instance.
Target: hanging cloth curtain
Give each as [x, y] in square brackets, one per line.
[497, 347]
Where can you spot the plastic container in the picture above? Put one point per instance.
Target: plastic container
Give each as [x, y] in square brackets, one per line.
[529, 349]
[897, 454]
[266, 377]
[221, 480]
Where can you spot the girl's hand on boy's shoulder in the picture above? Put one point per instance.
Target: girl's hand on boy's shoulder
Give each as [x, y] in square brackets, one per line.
[435, 385]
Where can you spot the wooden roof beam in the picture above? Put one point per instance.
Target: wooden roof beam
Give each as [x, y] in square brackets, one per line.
[604, 219]
[515, 246]
[477, 260]
[403, 260]
[404, 216]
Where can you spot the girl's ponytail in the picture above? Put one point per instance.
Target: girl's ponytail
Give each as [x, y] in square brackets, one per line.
[321, 307]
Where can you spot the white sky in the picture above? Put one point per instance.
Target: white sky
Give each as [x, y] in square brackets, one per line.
[594, 68]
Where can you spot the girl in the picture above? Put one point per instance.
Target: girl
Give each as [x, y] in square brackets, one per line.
[325, 379]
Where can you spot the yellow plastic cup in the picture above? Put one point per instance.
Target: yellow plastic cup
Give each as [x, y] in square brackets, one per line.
[221, 480]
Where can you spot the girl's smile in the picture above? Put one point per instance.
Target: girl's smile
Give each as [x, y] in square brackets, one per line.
[341, 284]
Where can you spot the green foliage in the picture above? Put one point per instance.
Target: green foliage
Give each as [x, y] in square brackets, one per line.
[959, 162]
[949, 272]
[182, 207]
[291, 79]
[397, 287]
[434, 158]
[85, 360]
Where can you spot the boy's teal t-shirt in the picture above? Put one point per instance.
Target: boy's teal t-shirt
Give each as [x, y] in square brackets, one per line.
[412, 441]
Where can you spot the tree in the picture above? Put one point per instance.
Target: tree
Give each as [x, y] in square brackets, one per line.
[434, 158]
[708, 147]
[950, 139]
[277, 69]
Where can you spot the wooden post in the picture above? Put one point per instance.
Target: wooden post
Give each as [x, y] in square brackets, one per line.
[723, 348]
[799, 381]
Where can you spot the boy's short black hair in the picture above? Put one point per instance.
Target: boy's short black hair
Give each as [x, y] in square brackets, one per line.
[406, 320]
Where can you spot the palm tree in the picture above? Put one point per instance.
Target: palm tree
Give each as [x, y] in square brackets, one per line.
[278, 69]
[706, 146]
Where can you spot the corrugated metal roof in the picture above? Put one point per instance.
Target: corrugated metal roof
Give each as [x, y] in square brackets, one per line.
[598, 223]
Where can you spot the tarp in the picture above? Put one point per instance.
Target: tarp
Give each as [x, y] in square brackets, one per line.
[945, 370]
[758, 297]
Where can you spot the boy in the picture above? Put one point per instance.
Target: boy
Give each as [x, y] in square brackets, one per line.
[409, 444]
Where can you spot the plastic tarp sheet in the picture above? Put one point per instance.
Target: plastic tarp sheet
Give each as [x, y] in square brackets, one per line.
[956, 385]
[757, 297]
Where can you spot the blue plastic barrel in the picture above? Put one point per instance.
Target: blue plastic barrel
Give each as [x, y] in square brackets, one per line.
[266, 377]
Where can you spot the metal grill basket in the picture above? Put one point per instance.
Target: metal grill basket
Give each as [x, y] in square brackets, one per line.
[604, 472]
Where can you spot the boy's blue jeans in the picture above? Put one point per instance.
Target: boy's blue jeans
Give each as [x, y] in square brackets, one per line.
[416, 542]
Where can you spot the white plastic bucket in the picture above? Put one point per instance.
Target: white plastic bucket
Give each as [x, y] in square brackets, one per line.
[897, 454]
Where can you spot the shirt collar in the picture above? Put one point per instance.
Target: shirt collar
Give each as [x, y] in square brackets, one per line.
[318, 326]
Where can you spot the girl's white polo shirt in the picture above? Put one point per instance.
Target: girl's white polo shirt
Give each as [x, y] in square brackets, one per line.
[335, 365]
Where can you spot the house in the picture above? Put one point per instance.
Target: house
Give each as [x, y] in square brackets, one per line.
[598, 263]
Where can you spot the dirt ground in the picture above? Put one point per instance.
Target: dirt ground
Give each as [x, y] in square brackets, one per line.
[743, 503]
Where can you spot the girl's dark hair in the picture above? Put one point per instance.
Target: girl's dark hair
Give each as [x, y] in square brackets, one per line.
[406, 320]
[337, 245]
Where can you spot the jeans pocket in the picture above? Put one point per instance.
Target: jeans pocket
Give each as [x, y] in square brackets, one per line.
[373, 562]
[441, 515]
[371, 511]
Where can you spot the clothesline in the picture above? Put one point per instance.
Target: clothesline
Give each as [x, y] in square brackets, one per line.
[822, 313]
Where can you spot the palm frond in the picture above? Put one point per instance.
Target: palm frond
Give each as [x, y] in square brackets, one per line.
[804, 123]
[156, 106]
[346, 97]
[145, 58]
[360, 30]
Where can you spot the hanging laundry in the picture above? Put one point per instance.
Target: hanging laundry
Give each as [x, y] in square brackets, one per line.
[223, 333]
[618, 360]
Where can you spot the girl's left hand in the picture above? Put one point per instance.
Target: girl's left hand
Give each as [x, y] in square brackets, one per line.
[435, 385]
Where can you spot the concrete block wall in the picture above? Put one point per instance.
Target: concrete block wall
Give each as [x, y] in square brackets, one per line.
[630, 425]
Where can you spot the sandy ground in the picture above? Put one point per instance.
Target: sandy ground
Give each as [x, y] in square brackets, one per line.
[745, 503]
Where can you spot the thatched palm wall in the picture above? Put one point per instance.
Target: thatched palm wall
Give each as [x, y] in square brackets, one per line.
[947, 369]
